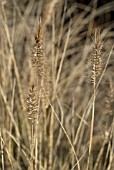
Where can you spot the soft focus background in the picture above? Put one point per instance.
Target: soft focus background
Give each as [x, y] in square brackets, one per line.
[69, 27]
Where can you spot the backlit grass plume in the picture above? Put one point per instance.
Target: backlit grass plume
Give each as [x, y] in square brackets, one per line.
[38, 94]
[32, 103]
[41, 75]
[96, 59]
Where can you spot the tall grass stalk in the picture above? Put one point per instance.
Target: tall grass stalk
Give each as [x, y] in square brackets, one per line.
[96, 73]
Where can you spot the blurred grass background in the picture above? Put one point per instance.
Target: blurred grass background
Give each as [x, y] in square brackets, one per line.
[68, 41]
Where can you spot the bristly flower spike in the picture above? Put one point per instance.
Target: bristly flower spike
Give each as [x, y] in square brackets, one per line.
[96, 58]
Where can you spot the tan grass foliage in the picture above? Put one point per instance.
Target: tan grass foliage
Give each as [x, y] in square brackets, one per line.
[71, 124]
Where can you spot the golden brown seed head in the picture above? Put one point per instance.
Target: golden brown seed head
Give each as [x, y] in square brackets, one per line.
[32, 103]
[96, 59]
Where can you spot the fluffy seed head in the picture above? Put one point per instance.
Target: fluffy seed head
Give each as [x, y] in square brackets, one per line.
[96, 58]
[32, 103]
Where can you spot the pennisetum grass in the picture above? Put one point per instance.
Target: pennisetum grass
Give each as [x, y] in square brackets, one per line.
[36, 102]
[96, 72]
[54, 133]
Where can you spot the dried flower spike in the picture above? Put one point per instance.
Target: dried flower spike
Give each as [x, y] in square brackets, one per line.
[96, 59]
[32, 104]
